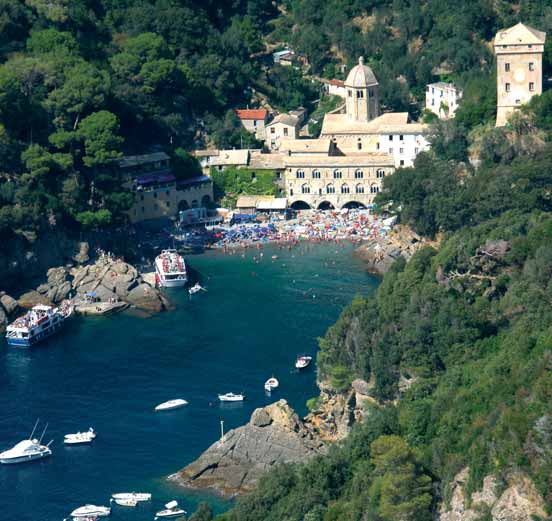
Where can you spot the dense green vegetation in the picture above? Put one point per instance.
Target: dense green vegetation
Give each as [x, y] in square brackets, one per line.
[231, 182]
[455, 344]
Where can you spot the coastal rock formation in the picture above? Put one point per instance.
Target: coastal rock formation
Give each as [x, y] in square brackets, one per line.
[274, 434]
[8, 303]
[517, 500]
[32, 298]
[382, 252]
[111, 279]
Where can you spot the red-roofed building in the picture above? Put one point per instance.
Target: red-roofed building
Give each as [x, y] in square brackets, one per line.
[254, 121]
[336, 88]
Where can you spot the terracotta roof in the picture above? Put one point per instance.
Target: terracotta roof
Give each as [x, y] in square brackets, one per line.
[520, 34]
[252, 113]
[337, 83]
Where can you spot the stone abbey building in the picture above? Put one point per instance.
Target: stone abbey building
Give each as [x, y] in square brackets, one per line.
[357, 148]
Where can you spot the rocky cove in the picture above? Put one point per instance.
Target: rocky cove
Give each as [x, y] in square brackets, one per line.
[110, 280]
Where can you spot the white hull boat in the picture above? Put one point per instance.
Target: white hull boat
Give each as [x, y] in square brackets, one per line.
[27, 450]
[91, 511]
[196, 288]
[303, 361]
[231, 397]
[271, 384]
[126, 502]
[80, 438]
[171, 404]
[171, 510]
[170, 269]
[136, 496]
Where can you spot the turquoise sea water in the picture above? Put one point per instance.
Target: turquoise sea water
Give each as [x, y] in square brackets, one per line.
[109, 373]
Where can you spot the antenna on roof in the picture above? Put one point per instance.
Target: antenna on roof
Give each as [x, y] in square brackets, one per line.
[34, 428]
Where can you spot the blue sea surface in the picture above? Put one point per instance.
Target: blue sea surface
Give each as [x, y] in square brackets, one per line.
[110, 372]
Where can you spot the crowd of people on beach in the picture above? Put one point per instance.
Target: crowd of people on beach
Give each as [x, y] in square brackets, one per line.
[312, 225]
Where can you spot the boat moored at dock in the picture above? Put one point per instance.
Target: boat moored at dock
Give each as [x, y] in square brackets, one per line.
[37, 324]
[170, 269]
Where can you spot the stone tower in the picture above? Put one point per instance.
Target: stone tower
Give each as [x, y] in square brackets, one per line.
[362, 93]
[518, 52]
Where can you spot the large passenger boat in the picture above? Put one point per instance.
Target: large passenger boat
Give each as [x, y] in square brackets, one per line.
[170, 269]
[37, 324]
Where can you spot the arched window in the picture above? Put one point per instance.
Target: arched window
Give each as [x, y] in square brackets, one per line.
[305, 189]
[359, 189]
[300, 174]
[374, 189]
[316, 174]
[195, 203]
[338, 174]
[330, 189]
[380, 173]
[359, 174]
[345, 189]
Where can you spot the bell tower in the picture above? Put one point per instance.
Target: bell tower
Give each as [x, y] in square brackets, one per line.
[362, 101]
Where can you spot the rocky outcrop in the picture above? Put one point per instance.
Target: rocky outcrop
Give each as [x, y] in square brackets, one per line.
[515, 500]
[274, 435]
[382, 252]
[8, 307]
[111, 279]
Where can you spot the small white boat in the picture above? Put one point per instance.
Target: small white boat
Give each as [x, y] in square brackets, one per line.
[136, 496]
[91, 511]
[231, 397]
[171, 510]
[80, 437]
[171, 404]
[196, 288]
[271, 384]
[126, 502]
[303, 361]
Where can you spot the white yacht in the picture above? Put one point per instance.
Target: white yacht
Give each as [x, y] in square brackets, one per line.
[37, 324]
[303, 361]
[271, 384]
[196, 288]
[171, 510]
[136, 496]
[91, 511]
[27, 450]
[171, 404]
[80, 437]
[125, 502]
[170, 269]
[231, 397]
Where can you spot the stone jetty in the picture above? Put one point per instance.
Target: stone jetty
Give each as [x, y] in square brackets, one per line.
[274, 434]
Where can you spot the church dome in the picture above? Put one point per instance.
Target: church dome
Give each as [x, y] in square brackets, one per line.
[361, 76]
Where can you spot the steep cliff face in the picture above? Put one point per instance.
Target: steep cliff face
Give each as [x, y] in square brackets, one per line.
[274, 435]
[25, 258]
[516, 499]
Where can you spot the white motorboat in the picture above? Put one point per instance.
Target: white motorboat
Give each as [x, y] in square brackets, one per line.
[126, 502]
[171, 510]
[171, 404]
[27, 450]
[170, 269]
[80, 437]
[136, 496]
[271, 384]
[196, 288]
[91, 511]
[303, 361]
[231, 397]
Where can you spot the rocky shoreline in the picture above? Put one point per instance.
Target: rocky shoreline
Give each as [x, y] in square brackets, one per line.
[381, 252]
[274, 435]
[106, 284]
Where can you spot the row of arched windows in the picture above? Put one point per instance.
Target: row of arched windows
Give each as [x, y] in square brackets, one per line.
[345, 189]
[338, 174]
